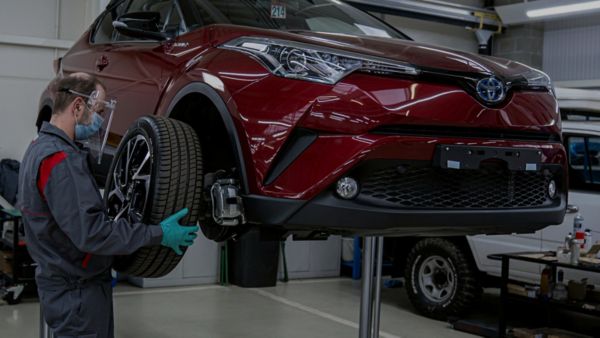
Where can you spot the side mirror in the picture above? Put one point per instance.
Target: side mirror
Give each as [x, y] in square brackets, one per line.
[140, 25]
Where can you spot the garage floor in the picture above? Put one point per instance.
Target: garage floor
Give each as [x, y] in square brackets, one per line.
[325, 308]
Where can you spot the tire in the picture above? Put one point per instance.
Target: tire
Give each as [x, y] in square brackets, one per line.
[164, 175]
[441, 281]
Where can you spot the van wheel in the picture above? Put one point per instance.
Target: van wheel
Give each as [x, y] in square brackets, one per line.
[156, 171]
[440, 279]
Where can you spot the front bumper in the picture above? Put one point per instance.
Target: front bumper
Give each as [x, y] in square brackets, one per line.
[328, 213]
[320, 162]
[420, 195]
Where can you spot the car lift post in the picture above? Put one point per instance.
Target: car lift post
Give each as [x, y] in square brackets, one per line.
[370, 308]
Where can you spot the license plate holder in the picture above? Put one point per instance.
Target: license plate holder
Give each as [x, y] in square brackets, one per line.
[470, 157]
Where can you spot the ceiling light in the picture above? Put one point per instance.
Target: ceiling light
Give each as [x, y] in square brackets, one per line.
[565, 9]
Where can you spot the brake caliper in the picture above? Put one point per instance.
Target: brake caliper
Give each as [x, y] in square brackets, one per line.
[227, 207]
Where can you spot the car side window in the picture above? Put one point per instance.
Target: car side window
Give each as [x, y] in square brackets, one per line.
[104, 31]
[173, 24]
[584, 162]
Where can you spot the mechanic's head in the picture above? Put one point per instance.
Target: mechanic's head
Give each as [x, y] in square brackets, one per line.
[78, 105]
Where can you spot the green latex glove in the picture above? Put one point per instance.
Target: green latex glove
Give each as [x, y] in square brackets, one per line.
[175, 235]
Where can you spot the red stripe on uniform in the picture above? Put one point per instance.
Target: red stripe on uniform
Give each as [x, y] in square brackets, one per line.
[46, 168]
[86, 260]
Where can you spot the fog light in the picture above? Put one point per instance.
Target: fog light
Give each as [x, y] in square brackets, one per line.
[347, 188]
[552, 189]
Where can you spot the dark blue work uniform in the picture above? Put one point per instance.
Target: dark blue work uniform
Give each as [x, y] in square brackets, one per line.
[70, 236]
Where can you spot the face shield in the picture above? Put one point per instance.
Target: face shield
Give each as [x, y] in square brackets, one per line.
[97, 128]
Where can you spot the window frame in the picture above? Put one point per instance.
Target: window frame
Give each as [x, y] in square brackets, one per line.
[100, 20]
[585, 186]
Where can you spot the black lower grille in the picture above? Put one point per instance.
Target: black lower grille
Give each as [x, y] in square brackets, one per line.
[486, 188]
[462, 132]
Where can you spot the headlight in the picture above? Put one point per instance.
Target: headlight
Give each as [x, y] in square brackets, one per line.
[302, 61]
[537, 79]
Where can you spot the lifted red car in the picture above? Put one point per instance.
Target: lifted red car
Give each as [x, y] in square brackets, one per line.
[314, 117]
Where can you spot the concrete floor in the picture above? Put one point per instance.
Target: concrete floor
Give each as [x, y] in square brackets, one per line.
[325, 308]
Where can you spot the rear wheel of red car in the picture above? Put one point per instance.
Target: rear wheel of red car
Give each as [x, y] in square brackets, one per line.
[440, 279]
[157, 171]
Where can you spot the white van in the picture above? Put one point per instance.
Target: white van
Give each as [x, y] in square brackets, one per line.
[445, 275]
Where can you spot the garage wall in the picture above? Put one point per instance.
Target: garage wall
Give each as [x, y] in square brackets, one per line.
[435, 33]
[572, 50]
[32, 34]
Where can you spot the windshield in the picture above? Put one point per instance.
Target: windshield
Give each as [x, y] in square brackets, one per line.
[293, 15]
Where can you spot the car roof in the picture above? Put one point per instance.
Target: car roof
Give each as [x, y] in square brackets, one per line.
[578, 99]
[592, 127]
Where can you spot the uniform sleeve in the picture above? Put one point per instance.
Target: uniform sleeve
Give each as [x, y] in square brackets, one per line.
[77, 207]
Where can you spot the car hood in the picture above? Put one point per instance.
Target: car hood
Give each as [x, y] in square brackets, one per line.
[425, 56]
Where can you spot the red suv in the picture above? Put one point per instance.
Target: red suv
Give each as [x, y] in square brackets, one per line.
[313, 117]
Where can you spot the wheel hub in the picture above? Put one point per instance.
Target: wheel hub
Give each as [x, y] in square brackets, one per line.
[436, 279]
[440, 278]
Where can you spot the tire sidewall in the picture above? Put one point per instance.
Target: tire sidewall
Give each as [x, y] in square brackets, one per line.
[415, 285]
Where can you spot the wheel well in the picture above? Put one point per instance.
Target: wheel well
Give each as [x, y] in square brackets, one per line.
[44, 116]
[199, 112]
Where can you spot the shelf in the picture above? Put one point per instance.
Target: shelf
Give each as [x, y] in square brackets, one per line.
[520, 257]
[576, 306]
[569, 305]
[545, 258]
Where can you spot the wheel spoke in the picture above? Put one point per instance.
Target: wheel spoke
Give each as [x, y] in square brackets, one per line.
[441, 264]
[135, 216]
[431, 265]
[125, 208]
[136, 175]
[427, 281]
[116, 177]
[436, 293]
[116, 192]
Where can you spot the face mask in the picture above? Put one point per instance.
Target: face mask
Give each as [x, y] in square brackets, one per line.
[85, 131]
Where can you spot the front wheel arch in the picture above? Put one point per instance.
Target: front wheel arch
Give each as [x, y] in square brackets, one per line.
[204, 90]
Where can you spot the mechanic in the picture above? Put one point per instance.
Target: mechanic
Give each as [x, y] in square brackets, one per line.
[68, 232]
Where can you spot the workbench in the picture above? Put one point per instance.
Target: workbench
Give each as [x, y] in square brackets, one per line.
[546, 258]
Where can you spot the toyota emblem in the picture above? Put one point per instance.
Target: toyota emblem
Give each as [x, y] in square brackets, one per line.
[491, 90]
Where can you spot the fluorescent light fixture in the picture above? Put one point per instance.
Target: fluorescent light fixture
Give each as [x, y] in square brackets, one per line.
[565, 9]
[446, 9]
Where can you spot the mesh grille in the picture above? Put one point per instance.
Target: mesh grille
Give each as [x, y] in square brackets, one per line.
[456, 189]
